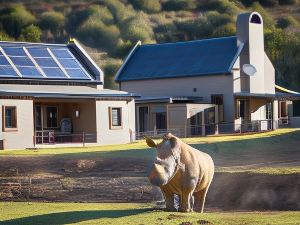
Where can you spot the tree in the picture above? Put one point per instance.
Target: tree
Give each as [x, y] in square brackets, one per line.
[287, 22]
[31, 33]
[15, 18]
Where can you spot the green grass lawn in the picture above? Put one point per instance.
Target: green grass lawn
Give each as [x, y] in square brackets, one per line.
[13, 213]
[256, 153]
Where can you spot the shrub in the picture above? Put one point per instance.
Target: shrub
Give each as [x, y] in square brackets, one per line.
[31, 33]
[152, 6]
[137, 28]
[222, 6]
[100, 12]
[268, 3]
[287, 22]
[4, 36]
[15, 18]
[97, 34]
[110, 70]
[225, 30]
[53, 21]
[288, 2]
[175, 5]
[118, 9]
[217, 19]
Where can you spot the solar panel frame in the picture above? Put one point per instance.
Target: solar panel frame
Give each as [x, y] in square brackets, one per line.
[21, 61]
[54, 72]
[40, 61]
[8, 71]
[46, 62]
[29, 71]
[4, 61]
[14, 51]
[38, 52]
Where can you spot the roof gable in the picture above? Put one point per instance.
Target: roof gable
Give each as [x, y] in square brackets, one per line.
[181, 59]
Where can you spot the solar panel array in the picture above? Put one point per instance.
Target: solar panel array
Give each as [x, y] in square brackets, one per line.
[52, 62]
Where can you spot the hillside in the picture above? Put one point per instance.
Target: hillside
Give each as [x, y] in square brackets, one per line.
[109, 28]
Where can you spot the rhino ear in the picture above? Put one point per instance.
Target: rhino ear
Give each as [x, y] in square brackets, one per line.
[173, 142]
[150, 142]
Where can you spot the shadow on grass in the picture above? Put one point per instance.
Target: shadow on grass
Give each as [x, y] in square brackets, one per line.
[71, 217]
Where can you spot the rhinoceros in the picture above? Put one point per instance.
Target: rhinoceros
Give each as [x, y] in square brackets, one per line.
[182, 170]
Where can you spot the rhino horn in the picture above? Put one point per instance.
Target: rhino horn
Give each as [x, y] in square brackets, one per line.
[150, 142]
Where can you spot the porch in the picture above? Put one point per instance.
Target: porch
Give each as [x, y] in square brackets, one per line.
[64, 121]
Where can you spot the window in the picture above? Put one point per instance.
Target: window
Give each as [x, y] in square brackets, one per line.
[269, 111]
[115, 118]
[218, 100]
[9, 118]
[51, 117]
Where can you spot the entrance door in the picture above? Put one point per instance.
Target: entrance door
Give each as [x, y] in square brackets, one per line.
[196, 124]
[161, 122]
[51, 117]
[143, 122]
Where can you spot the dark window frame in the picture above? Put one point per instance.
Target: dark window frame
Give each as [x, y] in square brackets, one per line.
[112, 126]
[14, 118]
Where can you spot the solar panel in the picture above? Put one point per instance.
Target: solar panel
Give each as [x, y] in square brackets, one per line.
[61, 53]
[46, 62]
[77, 73]
[3, 61]
[54, 73]
[39, 52]
[14, 51]
[21, 61]
[29, 72]
[69, 63]
[7, 71]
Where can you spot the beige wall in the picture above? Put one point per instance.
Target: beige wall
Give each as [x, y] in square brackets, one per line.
[105, 135]
[23, 137]
[206, 86]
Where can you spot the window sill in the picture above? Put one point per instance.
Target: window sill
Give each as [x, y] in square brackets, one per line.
[10, 129]
[116, 128]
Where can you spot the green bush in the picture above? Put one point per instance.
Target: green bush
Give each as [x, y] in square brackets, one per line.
[152, 6]
[119, 10]
[31, 33]
[222, 6]
[4, 36]
[268, 3]
[175, 5]
[100, 12]
[15, 18]
[53, 21]
[287, 22]
[97, 34]
[217, 19]
[137, 28]
[288, 2]
[225, 30]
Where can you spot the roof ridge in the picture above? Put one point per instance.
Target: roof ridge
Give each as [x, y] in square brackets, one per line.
[185, 42]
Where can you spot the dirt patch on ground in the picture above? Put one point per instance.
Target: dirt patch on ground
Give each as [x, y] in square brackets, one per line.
[53, 178]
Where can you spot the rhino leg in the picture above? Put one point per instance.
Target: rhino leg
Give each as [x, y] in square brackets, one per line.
[200, 200]
[186, 201]
[169, 199]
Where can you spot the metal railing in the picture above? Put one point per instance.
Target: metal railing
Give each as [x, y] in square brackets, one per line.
[212, 129]
[54, 137]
